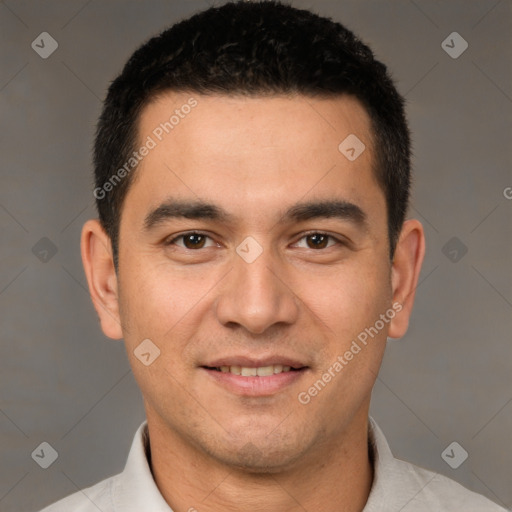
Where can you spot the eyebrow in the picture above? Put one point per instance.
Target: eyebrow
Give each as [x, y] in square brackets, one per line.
[198, 210]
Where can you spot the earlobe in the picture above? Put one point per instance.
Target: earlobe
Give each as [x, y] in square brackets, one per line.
[101, 277]
[405, 272]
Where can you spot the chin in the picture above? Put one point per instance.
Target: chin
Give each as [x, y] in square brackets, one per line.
[253, 460]
[258, 453]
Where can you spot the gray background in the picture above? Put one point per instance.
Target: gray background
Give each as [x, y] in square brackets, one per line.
[63, 382]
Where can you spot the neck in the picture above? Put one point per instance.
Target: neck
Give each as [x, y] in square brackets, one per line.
[337, 477]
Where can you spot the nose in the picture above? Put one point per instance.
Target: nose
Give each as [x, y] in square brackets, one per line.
[257, 295]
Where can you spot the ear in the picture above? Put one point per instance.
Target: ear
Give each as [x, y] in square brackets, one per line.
[99, 268]
[405, 272]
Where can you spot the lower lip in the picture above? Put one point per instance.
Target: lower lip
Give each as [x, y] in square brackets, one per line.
[255, 386]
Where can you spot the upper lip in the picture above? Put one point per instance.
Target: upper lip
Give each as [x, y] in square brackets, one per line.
[251, 362]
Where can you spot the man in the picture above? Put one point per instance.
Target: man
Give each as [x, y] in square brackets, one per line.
[252, 168]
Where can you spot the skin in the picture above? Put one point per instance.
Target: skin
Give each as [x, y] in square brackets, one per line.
[213, 449]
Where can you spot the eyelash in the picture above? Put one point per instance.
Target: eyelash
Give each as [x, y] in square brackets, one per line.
[305, 235]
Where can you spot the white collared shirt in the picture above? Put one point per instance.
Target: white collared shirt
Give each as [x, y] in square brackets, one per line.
[398, 486]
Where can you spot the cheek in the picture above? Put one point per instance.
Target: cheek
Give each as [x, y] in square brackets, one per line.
[351, 299]
[155, 301]
[351, 304]
[158, 306]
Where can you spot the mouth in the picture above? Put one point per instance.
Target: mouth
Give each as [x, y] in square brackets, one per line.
[259, 371]
[245, 377]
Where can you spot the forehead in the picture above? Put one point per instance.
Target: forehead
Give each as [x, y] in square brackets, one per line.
[253, 151]
[195, 119]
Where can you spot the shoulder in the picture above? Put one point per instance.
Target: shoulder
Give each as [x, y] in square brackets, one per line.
[91, 499]
[400, 485]
[440, 493]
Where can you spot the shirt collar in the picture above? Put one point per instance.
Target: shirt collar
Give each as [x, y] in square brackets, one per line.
[383, 468]
[135, 489]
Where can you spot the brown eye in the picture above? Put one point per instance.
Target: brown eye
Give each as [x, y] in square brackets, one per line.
[193, 241]
[190, 241]
[318, 241]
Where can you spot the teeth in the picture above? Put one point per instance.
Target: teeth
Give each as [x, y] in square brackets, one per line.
[262, 371]
[237, 370]
[278, 368]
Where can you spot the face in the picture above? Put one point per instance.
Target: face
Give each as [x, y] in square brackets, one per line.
[250, 243]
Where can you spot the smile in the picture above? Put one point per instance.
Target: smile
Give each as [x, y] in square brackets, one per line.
[257, 381]
[261, 371]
